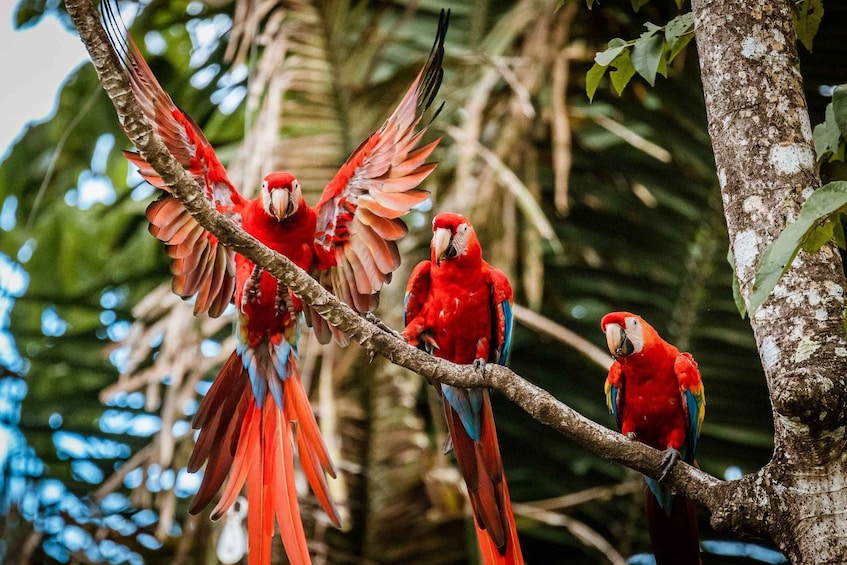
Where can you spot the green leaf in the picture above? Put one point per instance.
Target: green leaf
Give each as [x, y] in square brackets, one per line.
[615, 47]
[807, 20]
[839, 108]
[678, 32]
[827, 135]
[651, 29]
[646, 56]
[777, 258]
[623, 71]
[819, 236]
[838, 231]
[637, 4]
[592, 79]
[736, 286]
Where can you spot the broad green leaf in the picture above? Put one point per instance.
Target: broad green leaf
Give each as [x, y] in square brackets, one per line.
[778, 256]
[592, 79]
[623, 71]
[827, 135]
[651, 29]
[680, 44]
[807, 20]
[736, 286]
[647, 55]
[839, 108]
[615, 47]
[637, 4]
[838, 231]
[818, 236]
[679, 32]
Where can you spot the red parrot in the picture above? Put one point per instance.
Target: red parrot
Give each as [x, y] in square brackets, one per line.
[458, 307]
[257, 408]
[656, 395]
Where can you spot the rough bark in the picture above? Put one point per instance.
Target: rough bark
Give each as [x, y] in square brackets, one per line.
[762, 139]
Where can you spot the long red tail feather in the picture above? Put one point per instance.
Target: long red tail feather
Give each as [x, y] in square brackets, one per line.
[674, 537]
[314, 456]
[241, 442]
[482, 469]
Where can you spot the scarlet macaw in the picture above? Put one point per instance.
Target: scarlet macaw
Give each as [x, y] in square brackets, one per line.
[256, 407]
[458, 307]
[656, 395]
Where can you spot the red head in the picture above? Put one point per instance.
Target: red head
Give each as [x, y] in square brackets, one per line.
[453, 237]
[626, 333]
[280, 195]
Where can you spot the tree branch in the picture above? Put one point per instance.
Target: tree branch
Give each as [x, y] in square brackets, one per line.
[693, 483]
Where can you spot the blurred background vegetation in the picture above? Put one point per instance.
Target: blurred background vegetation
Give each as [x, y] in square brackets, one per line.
[588, 207]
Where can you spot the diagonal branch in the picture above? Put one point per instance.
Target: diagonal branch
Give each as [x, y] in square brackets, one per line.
[538, 403]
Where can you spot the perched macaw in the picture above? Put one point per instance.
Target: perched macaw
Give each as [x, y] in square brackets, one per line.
[458, 307]
[656, 395]
[256, 409]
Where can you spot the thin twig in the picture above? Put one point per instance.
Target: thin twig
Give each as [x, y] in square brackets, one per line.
[542, 324]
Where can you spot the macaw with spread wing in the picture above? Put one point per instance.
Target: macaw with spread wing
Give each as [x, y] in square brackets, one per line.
[656, 395]
[458, 307]
[257, 408]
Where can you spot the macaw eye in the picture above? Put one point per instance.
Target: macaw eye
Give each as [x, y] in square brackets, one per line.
[264, 185]
[464, 228]
[295, 186]
[632, 323]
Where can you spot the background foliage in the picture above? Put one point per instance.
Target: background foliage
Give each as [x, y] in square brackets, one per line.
[589, 207]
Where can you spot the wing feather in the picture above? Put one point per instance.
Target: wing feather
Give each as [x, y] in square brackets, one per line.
[614, 386]
[693, 400]
[389, 229]
[378, 184]
[417, 291]
[502, 321]
[199, 263]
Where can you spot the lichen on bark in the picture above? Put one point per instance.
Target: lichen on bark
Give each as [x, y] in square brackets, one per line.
[759, 125]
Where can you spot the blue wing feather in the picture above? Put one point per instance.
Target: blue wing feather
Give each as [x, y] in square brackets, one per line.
[693, 426]
[506, 309]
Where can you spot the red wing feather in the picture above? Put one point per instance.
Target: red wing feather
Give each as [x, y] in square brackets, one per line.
[376, 186]
[417, 291]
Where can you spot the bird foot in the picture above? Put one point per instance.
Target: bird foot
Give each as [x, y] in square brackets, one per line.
[669, 459]
[630, 436]
[479, 366]
[283, 302]
[252, 291]
[371, 317]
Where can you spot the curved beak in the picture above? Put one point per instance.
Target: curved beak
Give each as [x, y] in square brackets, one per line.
[442, 240]
[618, 342]
[280, 203]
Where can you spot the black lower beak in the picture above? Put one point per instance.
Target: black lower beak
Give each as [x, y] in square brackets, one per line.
[626, 347]
[449, 253]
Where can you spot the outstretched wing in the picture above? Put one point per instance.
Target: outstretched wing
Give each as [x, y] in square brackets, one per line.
[693, 400]
[201, 266]
[359, 211]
